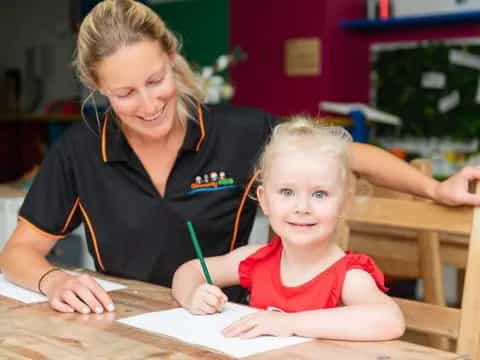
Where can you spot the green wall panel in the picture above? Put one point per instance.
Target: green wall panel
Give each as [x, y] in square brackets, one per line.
[202, 26]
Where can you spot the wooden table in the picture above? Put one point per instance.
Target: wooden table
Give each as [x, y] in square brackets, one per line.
[37, 332]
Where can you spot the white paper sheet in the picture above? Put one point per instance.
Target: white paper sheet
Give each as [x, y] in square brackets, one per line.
[30, 297]
[206, 330]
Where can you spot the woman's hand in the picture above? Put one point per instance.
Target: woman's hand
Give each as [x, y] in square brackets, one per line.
[207, 299]
[263, 322]
[454, 190]
[80, 293]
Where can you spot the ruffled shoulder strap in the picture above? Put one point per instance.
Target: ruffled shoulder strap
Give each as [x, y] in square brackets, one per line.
[366, 263]
[247, 265]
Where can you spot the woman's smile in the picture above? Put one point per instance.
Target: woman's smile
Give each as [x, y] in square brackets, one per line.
[153, 117]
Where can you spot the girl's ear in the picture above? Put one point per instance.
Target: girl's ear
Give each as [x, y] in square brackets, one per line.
[261, 199]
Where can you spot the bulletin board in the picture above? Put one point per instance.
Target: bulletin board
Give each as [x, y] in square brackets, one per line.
[433, 86]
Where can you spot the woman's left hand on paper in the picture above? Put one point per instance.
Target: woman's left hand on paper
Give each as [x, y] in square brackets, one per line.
[263, 322]
[76, 293]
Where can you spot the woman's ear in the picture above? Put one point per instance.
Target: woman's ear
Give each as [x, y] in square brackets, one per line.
[261, 199]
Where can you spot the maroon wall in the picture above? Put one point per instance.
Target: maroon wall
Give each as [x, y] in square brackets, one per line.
[261, 27]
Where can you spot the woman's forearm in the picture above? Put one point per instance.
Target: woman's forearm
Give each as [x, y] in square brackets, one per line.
[23, 265]
[369, 322]
[384, 169]
[23, 259]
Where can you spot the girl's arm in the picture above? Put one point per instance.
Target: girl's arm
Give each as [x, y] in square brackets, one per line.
[189, 286]
[368, 315]
[384, 169]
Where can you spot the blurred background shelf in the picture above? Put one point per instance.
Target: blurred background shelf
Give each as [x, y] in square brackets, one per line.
[30, 117]
[426, 20]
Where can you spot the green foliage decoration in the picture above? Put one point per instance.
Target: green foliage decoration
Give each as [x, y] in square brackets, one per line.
[398, 90]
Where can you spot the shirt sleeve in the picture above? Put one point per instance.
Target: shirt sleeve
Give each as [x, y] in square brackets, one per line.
[51, 204]
[366, 263]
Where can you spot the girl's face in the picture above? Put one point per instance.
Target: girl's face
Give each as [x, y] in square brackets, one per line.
[303, 196]
[139, 82]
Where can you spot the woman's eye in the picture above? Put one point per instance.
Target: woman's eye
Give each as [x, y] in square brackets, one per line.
[125, 95]
[155, 81]
[320, 194]
[286, 192]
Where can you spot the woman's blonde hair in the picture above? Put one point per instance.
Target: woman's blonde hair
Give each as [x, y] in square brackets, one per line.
[306, 135]
[115, 23]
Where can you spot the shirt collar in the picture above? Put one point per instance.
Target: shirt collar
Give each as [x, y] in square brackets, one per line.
[114, 145]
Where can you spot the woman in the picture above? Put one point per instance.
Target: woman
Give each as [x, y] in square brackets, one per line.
[160, 158]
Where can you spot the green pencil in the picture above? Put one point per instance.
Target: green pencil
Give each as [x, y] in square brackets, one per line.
[198, 250]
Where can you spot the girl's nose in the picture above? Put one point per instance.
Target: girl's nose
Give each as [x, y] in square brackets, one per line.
[302, 205]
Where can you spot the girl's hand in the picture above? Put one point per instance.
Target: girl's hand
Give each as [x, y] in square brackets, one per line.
[454, 190]
[263, 322]
[80, 293]
[207, 299]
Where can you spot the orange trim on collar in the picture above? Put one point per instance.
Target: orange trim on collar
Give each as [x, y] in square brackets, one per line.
[94, 238]
[197, 147]
[104, 136]
[240, 209]
[202, 127]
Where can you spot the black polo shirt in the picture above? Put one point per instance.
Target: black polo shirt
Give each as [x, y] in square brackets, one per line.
[133, 231]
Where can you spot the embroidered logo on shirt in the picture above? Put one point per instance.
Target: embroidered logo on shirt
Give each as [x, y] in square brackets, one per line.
[212, 181]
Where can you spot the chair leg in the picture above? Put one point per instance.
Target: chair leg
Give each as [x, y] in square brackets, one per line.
[460, 283]
[468, 339]
[432, 276]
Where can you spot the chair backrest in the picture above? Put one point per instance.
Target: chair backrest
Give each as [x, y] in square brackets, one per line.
[402, 213]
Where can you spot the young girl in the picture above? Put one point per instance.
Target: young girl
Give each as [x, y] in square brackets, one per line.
[317, 289]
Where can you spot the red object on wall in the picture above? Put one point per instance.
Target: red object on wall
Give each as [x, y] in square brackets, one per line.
[384, 12]
[345, 66]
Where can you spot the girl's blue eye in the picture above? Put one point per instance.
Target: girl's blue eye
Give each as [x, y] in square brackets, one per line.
[319, 194]
[286, 192]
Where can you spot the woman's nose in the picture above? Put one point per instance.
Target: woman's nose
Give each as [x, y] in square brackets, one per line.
[149, 105]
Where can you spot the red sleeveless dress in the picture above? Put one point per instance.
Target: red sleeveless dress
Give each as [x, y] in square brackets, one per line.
[260, 274]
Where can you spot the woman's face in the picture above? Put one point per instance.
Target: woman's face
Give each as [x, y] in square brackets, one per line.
[138, 80]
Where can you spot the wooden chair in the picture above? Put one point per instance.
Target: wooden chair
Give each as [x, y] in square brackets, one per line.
[404, 253]
[428, 218]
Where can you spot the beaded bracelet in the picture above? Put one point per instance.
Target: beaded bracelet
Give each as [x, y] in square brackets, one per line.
[43, 277]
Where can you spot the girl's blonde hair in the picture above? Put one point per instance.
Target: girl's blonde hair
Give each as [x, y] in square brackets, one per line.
[112, 24]
[306, 135]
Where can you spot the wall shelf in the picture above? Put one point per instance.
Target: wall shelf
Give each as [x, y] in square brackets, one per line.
[428, 20]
